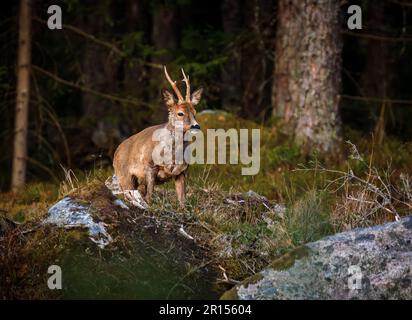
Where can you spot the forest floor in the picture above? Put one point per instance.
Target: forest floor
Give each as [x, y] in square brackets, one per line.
[235, 232]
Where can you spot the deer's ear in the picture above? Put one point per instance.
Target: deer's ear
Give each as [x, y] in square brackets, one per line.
[196, 96]
[168, 98]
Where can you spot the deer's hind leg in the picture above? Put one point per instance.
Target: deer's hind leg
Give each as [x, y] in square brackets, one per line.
[139, 184]
[133, 183]
[142, 189]
[125, 182]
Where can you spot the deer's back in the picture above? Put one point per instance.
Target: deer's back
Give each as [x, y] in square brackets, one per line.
[135, 153]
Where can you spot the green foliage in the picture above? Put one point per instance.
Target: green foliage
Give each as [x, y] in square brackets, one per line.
[73, 5]
[134, 46]
[202, 55]
[250, 233]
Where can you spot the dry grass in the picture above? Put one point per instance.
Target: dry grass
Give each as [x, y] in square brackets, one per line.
[364, 194]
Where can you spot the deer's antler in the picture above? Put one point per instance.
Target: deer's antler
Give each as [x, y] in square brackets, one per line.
[186, 80]
[174, 86]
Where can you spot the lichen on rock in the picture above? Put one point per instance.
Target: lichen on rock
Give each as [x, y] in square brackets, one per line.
[364, 263]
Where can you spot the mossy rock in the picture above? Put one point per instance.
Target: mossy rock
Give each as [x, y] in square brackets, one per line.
[364, 263]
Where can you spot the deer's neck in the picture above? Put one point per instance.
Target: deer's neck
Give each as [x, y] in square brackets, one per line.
[171, 126]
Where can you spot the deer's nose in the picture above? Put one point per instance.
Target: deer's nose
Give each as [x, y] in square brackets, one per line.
[195, 126]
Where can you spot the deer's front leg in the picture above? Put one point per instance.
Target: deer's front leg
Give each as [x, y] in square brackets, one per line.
[150, 183]
[180, 189]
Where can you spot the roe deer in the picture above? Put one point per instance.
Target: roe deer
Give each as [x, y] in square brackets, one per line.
[133, 163]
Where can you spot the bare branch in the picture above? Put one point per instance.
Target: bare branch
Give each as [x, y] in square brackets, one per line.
[103, 43]
[376, 99]
[376, 37]
[402, 3]
[88, 90]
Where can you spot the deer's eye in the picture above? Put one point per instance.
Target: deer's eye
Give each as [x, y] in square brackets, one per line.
[181, 114]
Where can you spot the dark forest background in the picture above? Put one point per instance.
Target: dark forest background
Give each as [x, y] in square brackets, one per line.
[98, 80]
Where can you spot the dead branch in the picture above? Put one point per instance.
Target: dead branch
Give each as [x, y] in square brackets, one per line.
[375, 36]
[375, 99]
[402, 3]
[87, 89]
[106, 44]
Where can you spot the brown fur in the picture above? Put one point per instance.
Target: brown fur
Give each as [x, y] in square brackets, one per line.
[133, 163]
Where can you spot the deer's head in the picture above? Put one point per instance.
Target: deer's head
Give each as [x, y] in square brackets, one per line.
[182, 110]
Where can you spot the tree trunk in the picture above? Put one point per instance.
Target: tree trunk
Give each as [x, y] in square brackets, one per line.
[377, 76]
[307, 73]
[164, 32]
[22, 100]
[164, 38]
[100, 67]
[254, 61]
[135, 75]
[230, 91]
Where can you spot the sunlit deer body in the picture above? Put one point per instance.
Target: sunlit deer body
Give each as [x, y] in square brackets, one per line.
[133, 163]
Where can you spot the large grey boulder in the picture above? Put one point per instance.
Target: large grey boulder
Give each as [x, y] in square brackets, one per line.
[364, 263]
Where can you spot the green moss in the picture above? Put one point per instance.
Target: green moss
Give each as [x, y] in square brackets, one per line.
[230, 295]
[287, 260]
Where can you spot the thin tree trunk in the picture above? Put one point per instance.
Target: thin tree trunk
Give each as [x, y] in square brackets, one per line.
[307, 74]
[18, 178]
